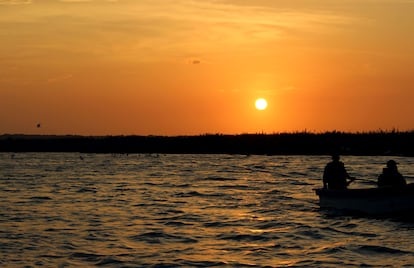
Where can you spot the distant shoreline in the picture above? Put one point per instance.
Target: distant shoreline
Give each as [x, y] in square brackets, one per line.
[301, 143]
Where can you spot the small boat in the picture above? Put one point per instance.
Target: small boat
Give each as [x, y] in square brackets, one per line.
[370, 201]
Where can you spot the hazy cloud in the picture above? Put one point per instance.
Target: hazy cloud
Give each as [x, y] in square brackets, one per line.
[15, 2]
[80, 1]
[59, 78]
[143, 29]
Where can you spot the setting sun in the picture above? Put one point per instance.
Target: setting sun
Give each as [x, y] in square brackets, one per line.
[261, 104]
[286, 65]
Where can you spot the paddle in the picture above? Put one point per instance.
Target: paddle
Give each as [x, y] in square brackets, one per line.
[363, 180]
[351, 180]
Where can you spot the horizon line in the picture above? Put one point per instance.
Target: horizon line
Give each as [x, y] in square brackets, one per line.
[365, 132]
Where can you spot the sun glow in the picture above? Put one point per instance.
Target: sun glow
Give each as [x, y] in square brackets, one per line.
[261, 104]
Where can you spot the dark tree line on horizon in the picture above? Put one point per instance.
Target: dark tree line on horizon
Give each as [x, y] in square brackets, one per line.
[300, 143]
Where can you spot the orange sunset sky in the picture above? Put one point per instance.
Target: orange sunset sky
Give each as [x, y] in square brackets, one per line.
[188, 67]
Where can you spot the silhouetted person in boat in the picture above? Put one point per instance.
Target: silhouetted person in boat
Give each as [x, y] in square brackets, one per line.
[390, 176]
[335, 175]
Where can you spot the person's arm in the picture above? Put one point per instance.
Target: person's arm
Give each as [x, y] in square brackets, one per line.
[347, 176]
[346, 172]
[325, 179]
[380, 180]
[325, 184]
[402, 179]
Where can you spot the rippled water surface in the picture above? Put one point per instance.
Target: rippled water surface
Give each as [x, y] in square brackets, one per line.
[87, 210]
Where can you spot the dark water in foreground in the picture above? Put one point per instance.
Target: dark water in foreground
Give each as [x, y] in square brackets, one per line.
[58, 210]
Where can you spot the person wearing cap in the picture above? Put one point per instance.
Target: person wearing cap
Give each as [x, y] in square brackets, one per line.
[390, 176]
[335, 175]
